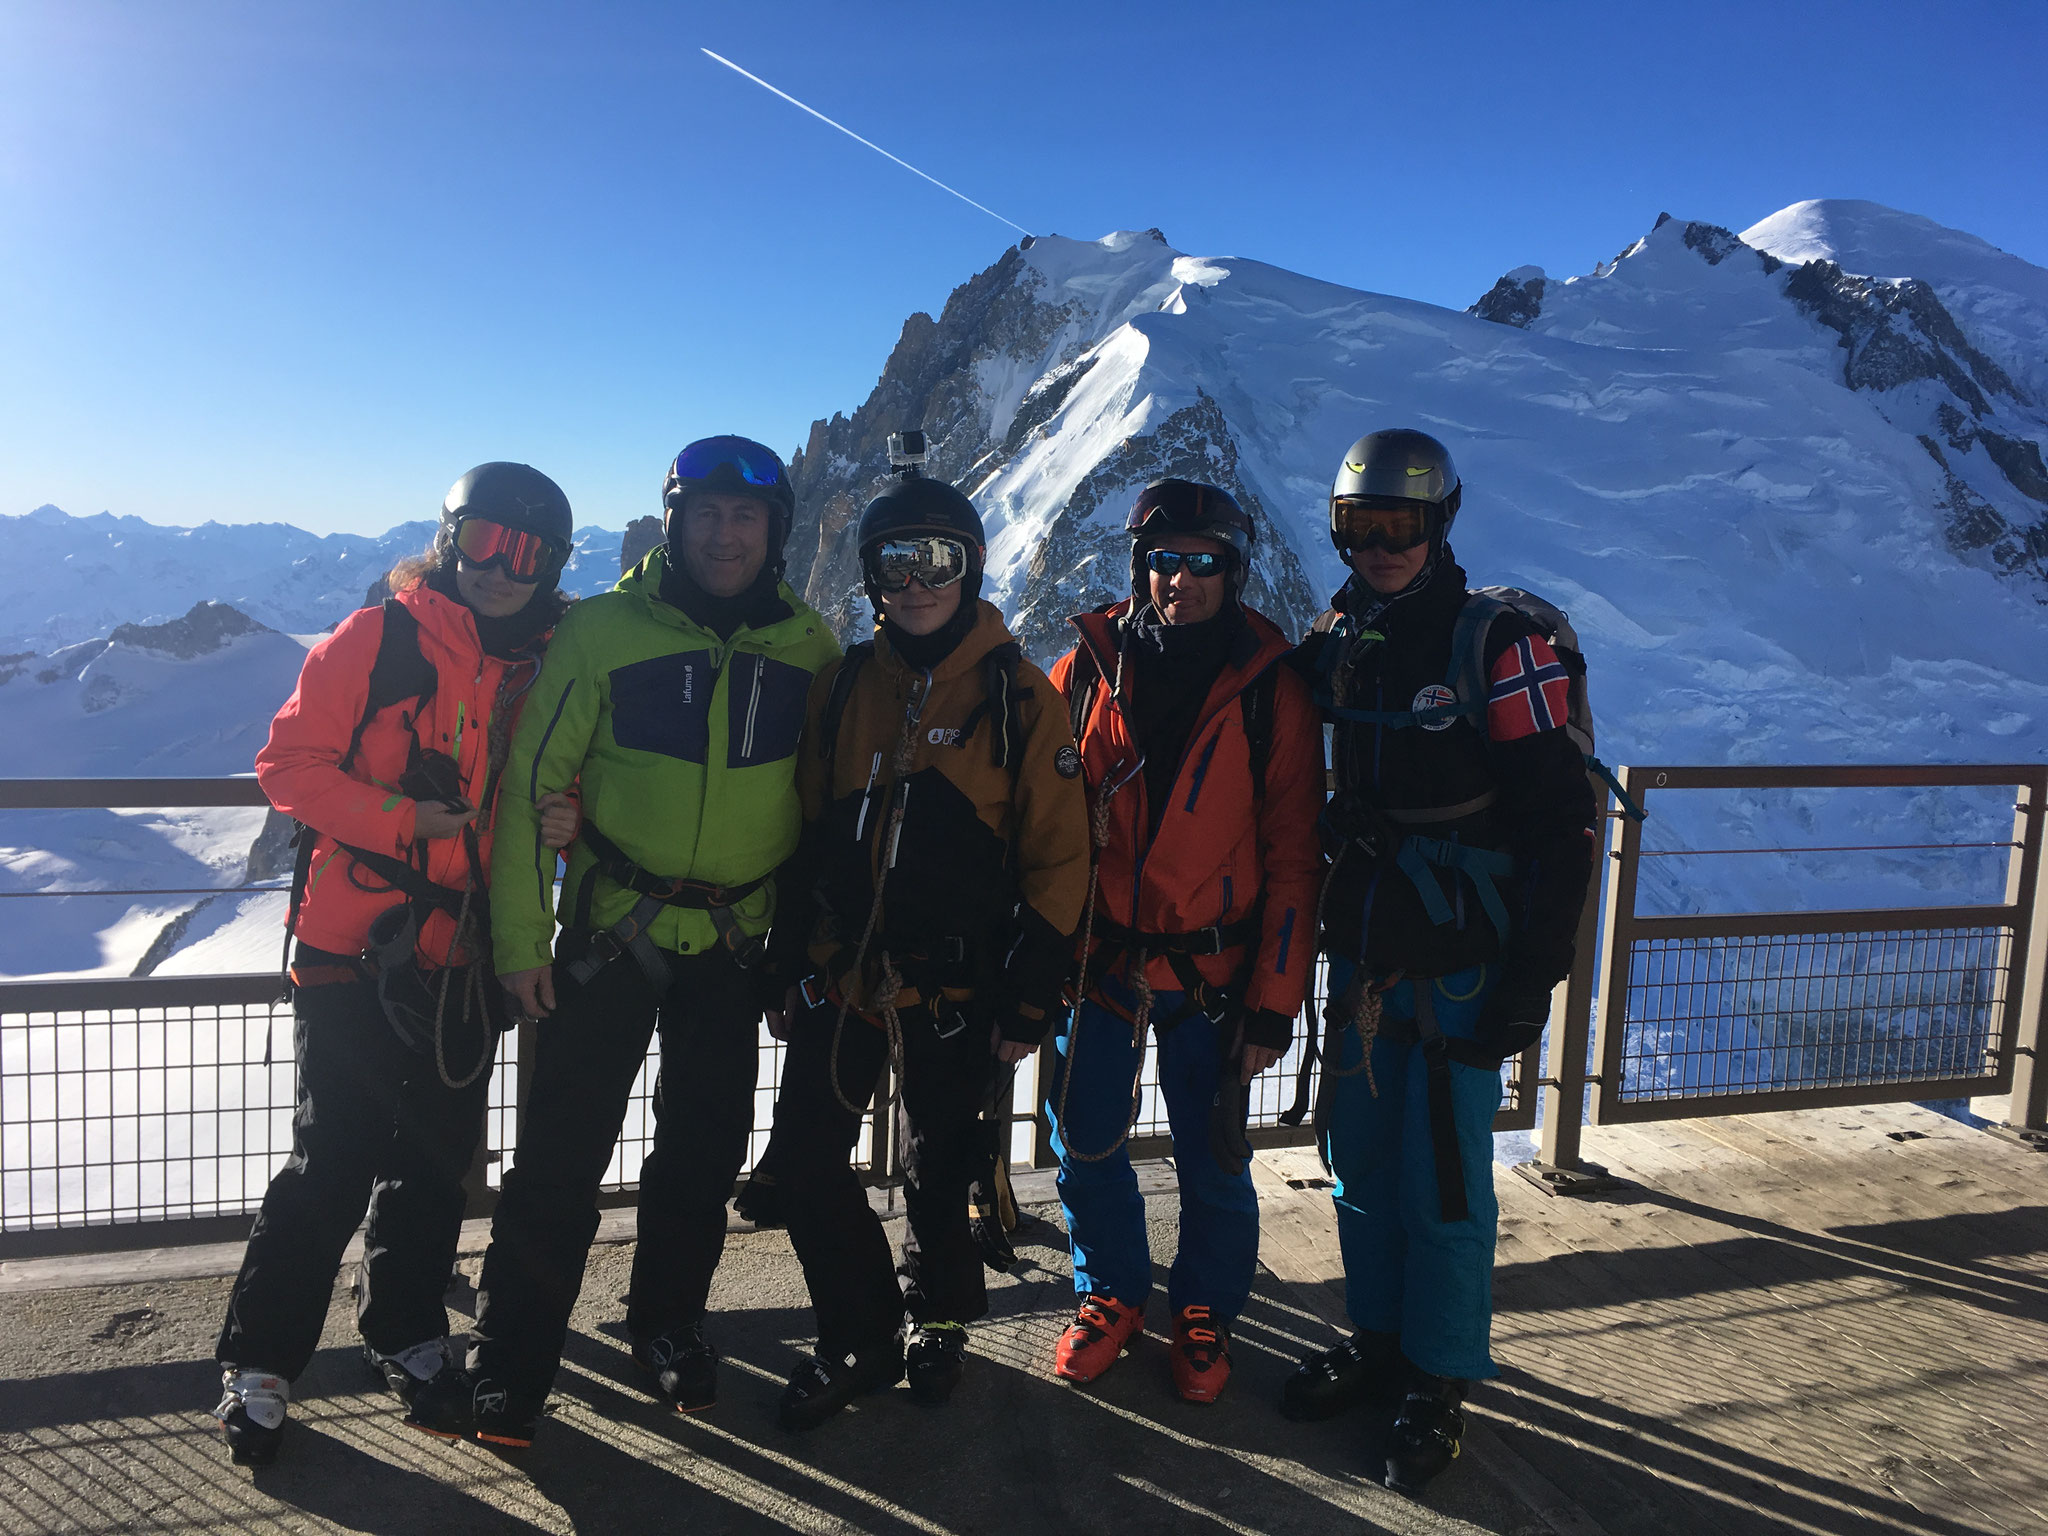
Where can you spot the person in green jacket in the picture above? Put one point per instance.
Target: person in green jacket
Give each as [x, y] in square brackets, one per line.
[673, 706]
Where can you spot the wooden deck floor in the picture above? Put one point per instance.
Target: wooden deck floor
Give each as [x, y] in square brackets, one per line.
[1824, 1321]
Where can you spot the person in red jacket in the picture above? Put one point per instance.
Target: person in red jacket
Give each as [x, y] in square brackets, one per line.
[389, 752]
[1202, 757]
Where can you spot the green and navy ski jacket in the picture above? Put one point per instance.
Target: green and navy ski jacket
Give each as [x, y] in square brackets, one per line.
[683, 748]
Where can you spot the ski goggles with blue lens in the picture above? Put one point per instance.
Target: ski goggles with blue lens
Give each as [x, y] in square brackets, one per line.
[752, 463]
[933, 562]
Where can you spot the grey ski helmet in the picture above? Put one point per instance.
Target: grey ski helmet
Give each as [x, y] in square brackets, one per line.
[1388, 469]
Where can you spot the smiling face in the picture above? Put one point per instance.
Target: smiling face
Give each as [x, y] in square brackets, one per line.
[917, 609]
[489, 592]
[1184, 598]
[1388, 571]
[723, 539]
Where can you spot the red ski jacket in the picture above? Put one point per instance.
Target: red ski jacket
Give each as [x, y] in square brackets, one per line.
[1218, 858]
[300, 766]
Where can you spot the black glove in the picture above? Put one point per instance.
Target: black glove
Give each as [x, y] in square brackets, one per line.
[1512, 1017]
[1274, 1031]
[1016, 1022]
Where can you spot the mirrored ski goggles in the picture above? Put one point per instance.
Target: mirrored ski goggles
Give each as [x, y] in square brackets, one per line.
[1360, 522]
[521, 555]
[934, 563]
[756, 465]
[1171, 562]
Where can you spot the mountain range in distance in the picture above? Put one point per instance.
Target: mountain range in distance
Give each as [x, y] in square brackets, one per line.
[1788, 483]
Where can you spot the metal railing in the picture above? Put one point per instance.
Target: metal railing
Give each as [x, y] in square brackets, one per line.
[1733, 1013]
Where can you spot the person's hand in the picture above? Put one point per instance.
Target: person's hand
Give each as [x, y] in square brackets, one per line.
[777, 1019]
[533, 992]
[1008, 1051]
[561, 818]
[433, 818]
[1256, 1059]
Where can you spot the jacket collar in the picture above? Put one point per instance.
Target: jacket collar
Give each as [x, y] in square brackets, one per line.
[1258, 646]
[643, 583]
[989, 631]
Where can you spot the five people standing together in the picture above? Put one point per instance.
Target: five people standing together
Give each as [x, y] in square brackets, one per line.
[923, 853]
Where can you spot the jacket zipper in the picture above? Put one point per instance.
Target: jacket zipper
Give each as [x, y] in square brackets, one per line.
[753, 709]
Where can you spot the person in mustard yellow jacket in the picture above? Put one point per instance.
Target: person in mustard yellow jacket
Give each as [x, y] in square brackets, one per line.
[946, 840]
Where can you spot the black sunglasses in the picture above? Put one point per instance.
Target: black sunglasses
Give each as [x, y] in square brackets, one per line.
[1171, 562]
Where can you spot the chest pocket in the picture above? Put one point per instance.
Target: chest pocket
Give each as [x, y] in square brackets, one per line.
[764, 710]
[664, 705]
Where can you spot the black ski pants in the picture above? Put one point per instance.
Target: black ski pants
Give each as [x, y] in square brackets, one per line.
[589, 1052]
[375, 1126]
[837, 1235]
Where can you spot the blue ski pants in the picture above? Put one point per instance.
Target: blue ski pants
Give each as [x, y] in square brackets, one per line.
[1219, 1213]
[1406, 1270]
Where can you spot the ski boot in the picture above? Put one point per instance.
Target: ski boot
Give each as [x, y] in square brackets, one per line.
[1201, 1355]
[466, 1405]
[1095, 1340]
[251, 1414]
[934, 1359]
[410, 1369]
[1328, 1383]
[685, 1370]
[1426, 1437]
[829, 1380]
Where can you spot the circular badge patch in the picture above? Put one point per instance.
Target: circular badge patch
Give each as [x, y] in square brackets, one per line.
[1067, 763]
[1435, 696]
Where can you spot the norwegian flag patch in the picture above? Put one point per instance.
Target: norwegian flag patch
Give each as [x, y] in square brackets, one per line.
[1531, 691]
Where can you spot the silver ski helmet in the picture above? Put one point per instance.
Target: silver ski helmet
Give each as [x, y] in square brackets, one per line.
[1394, 471]
[1190, 507]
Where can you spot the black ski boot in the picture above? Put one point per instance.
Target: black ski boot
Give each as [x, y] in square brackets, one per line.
[410, 1369]
[465, 1405]
[1426, 1437]
[934, 1359]
[1365, 1366]
[251, 1414]
[828, 1381]
[685, 1370]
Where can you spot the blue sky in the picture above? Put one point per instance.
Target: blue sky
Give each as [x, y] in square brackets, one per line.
[310, 262]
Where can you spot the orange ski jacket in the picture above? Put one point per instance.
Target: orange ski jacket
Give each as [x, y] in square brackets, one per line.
[1219, 860]
[300, 766]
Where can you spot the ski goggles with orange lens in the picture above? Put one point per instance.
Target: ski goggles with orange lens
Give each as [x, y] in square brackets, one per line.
[522, 556]
[933, 562]
[1362, 522]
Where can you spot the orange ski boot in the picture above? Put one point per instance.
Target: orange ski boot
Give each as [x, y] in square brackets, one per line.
[1201, 1355]
[1101, 1330]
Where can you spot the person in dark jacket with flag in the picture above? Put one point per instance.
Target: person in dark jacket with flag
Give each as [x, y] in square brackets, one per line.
[1460, 836]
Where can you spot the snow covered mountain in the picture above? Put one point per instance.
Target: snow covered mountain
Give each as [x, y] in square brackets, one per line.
[66, 579]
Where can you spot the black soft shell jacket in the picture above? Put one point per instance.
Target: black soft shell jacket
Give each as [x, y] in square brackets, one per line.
[1542, 814]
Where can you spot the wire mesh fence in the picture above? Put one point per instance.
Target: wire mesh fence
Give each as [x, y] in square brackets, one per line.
[1791, 1012]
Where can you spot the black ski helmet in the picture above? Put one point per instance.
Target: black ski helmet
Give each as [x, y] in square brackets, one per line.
[1191, 507]
[1398, 464]
[732, 466]
[915, 505]
[516, 495]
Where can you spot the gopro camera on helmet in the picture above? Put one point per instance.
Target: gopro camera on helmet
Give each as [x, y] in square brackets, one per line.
[907, 453]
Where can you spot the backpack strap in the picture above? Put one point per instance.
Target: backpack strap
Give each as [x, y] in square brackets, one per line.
[1258, 704]
[835, 704]
[1466, 676]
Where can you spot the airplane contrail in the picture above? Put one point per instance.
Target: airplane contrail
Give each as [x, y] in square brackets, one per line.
[821, 117]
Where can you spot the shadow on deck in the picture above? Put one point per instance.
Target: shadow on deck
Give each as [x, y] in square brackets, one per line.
[1789, 1322]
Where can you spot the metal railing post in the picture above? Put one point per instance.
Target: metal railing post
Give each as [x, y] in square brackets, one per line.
[1041, 1090]
[1558, 1168]
[2026, 999]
